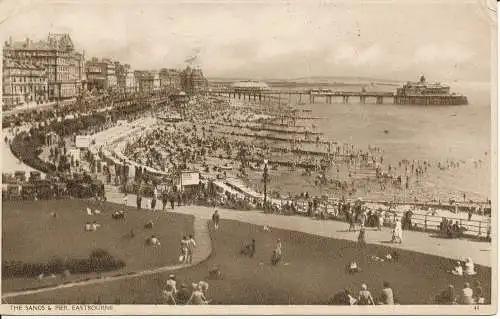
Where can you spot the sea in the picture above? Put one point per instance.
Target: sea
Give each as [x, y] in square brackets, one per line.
[414, 132]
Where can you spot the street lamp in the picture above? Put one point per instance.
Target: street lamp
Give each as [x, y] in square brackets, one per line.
[265, 183]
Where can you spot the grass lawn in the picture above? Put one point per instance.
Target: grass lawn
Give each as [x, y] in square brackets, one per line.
[312, 272]
[31, 234]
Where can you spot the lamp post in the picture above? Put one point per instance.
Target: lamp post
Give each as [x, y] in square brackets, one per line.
[265, 183]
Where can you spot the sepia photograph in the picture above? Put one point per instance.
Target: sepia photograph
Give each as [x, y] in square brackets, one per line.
[249, 157]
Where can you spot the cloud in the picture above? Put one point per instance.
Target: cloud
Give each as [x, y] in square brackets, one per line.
[450, 53]
[348, 54]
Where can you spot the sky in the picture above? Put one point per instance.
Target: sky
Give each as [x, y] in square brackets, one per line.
[400, 40]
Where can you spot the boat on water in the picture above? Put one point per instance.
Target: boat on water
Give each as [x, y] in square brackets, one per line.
[424, 93]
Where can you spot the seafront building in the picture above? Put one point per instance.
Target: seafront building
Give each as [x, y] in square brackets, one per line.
[63, 65]
[24, 83]
[170, 78]
[192, 81]
[101, 75]
[52, 70]
[147, 81]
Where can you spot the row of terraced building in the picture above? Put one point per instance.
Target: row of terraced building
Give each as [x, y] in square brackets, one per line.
[50, 70]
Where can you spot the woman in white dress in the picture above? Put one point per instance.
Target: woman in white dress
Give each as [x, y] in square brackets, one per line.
[469, 267]
[397, 232]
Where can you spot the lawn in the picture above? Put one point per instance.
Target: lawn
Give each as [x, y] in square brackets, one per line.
[312, 272]
[31, 234]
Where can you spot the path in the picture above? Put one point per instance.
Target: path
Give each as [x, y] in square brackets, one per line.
[10, 163]
[480, 252]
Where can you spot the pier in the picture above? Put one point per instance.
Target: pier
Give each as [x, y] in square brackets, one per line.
[303, 96]
[339, 97]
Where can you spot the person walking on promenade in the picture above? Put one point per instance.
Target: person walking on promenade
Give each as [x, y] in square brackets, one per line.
[216, 219]
[125, 200]
[139, 200]
[164, 199]
[362, 237]
[172, 201]
[380, 220]
[352, 220]
[397, 233]
[154, 199]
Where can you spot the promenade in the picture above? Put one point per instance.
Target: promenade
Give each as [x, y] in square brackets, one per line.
[428, 243]
[10, 163]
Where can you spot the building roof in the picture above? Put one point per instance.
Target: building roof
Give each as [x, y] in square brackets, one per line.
[250, 85]
[60, 42]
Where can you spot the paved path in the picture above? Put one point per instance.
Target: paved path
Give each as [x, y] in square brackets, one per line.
[10, 163]
[480, 252]
[202, 252]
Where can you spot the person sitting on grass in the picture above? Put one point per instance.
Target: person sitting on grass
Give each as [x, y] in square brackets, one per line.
[170, 290]
[458, 270]
[387, 295]
[197, 297]
[88, 226]
[469, 267]
[183, 295]
[277, 255]
[447, 296]
[95, 225]
[478, 293]
[153, 241]
[249, 250]
[343, 298]
[365, 297]
[466, 295]
[214, 272]
[204, 287]
[149, 225]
